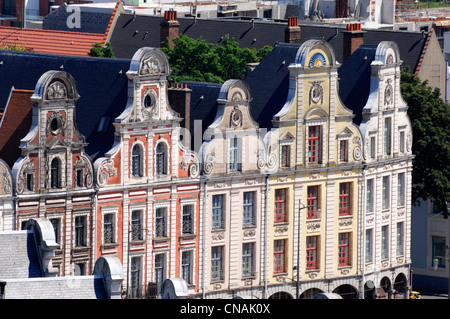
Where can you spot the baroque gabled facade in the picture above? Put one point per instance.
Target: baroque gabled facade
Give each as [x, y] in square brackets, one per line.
[316, 204]
[233, 158]
[53, 178]
[319, 155]
[148, 200]
[387, 135]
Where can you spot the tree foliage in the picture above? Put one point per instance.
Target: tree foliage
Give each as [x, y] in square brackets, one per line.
[196, 60]
[98, 50]
[430, 118]
[16, 47]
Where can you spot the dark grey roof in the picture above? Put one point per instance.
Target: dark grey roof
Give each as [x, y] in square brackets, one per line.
[125, 40]
[102, 85]
[269, 83]
[91, 21]
[203, 108]
[18, 255]
[354, 77]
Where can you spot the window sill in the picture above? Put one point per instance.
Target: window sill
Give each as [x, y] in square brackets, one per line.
[110, 246]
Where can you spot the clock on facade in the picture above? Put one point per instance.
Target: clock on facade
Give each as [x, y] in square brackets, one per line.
[317, 60]
[56, 90]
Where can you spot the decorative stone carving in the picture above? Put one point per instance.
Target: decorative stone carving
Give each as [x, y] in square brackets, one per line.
[236, 116]
[345, 222]
[106, 171]
[151, 66]
[312, 226]
[280, 230]
[56, 124]
[216, 236]
[249, 233]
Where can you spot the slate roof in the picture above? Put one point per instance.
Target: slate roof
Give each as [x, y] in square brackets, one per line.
[102, 84]
[20, 269]
[50, 41]
[125, 40]
[269, 83]
[18, 255]
[92, 20]
[354, 77]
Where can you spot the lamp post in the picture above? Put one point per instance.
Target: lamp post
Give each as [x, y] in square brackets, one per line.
[300, 207]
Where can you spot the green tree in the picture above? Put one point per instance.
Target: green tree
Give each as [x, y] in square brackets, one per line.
[98, 50]
[196, 60]
[430, 118]
[15, 47]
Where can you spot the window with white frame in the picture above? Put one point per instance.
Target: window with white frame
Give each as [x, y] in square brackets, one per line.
[161, 222]
[369, 246]
[385, 242]
[401, 189]
[247, 260]
[249, 209]
[218, 211]
[55, 173]
[137, 225]
[108, 228]
[387, 136]
[135, 277]
[160, 270]
[217, 263]
[373, 147]
[401, 141]
[80, 231]
[56, 224]
[187, 223]
[314, 144]
[186, 266]
[385, 202]
[400, 239]
[137, 161]
[234, 163]
[370, 192]
[343, 151]
[161, 156]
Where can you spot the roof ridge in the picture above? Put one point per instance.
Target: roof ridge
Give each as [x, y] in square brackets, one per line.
[108, 28]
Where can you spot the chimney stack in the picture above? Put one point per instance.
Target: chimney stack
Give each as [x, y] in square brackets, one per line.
[180, 101]
[292, 33]
[170, 27]
[353, 38]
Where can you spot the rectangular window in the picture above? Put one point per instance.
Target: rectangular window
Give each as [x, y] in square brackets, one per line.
[387, 136]
[108, 229]
[438, 251]
[386, 193]
[186, 266]
[56, 227]
[235, 164]
[369, 195]
[344, 199]
[401, 189]
[314, 145]
[344, 249]
[216, 263]
[160, 222]
[247, 260]
[373, 146]
[30, 183]
[279, 257]
[369, 243]
[217, 212]
[160, 270]
[103, 125]
[311, 253]
[343, 151]
[249, 213]
[313, 202]
[280, 205]
[384, 242]
[135, 277]
[285, 156]
[400, 240]
[402, 142]
[80, 231]
[136, 225]
[79, 177]
[188, 220]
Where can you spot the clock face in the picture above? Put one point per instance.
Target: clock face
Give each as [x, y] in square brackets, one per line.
[317, 60]
[56, 90]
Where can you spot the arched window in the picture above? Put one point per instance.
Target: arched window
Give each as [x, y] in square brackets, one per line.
[55, 179]
[161, 159]
[136, 161]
